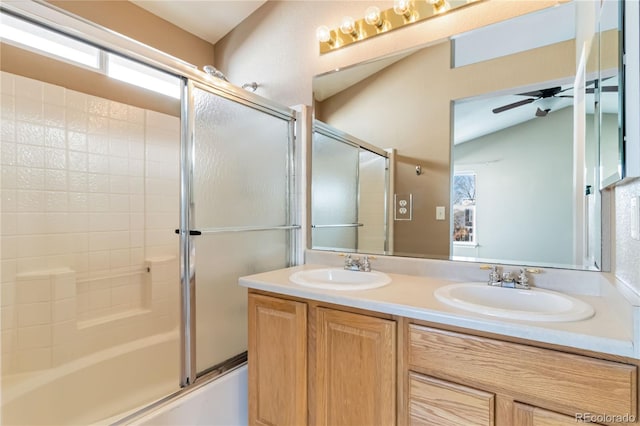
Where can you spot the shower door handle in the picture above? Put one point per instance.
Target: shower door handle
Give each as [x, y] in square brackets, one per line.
[191, 232]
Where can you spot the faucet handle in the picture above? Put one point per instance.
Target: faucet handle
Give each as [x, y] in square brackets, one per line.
[494, 275]
[365, 264]
[523, 280]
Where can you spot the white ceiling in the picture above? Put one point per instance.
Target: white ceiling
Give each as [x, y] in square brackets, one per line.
[208, 19]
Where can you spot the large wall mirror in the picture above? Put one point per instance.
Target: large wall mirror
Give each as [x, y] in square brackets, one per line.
[496, 147]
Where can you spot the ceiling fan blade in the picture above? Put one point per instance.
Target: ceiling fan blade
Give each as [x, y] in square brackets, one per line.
[535, 93]
[513, 105]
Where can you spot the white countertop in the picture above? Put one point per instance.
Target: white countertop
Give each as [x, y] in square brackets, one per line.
[412, 296]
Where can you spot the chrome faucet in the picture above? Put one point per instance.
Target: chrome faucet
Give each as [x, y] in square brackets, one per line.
[507, 279]
[357, 264]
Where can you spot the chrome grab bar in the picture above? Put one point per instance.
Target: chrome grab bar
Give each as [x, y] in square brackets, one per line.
[240, 229]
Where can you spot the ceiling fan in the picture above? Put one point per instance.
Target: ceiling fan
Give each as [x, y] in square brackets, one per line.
[552, 92]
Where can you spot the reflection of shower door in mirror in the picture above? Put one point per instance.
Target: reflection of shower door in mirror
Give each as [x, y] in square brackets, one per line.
[240, 186]
[334, 194]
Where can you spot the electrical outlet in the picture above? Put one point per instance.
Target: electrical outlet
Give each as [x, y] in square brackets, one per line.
[403, 206]
[635, 218]
[440, 213]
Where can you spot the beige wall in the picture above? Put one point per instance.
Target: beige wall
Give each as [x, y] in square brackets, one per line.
[407, 106]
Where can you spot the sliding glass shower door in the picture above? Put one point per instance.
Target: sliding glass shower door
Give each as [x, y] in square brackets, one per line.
[240, 217]
[334, 193]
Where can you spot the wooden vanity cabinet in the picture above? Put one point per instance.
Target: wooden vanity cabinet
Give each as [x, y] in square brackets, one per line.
[327, 365]
[531, 386]
[277, 361]
[355, 369]
[311, 364]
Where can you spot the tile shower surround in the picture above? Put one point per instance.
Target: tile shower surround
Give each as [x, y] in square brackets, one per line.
[90, 191]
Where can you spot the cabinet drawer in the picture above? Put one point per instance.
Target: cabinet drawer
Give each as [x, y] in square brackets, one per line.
[534, 416]
[436, 402]
[562, 382]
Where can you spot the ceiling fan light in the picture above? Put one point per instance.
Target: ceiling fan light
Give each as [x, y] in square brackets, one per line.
[542, 112]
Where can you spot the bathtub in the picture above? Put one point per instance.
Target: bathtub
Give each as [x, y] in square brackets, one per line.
[219, 402]
[94, 387]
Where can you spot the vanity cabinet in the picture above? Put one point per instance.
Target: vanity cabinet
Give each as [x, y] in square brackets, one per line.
[531, 385]
[277, 361]
[312, 364]
[355, 369]
[328, 365]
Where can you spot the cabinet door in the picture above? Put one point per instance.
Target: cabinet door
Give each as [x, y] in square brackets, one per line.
[526, 415]
[436, 402]
[355, 369]
[277, 361]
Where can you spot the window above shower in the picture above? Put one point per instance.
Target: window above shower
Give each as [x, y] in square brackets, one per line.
[38, 39]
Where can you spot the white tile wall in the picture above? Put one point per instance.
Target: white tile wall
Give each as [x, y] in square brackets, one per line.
[627, 257]
[90, 191]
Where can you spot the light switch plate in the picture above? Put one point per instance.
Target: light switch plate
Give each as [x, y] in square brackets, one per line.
[440, 213]
[635, 218]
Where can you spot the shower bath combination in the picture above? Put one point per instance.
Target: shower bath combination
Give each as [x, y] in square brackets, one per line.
[95, 293]
[213, 71]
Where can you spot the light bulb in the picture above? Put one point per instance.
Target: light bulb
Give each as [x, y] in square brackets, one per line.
[372, 16]
[323, 34]
[348, 26]
[402, 7]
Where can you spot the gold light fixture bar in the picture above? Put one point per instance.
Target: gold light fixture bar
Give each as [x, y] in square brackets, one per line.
[404, 12]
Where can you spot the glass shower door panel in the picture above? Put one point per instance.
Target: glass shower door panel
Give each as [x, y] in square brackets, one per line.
[240, 181]
[334, 193]
[240, 164]
[221, 304]
[372, 203]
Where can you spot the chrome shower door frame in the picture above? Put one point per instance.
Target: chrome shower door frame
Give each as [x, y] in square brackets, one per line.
[189, 371]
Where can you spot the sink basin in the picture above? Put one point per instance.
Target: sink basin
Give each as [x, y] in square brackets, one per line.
[340, 279]
[530, 305]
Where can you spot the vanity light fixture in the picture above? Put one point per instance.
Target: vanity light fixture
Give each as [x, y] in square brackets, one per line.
[376, 21]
